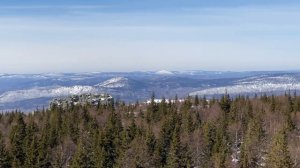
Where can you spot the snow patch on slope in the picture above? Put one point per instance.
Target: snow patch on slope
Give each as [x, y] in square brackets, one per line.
[19, 95]
[117, 82]
[164, 72]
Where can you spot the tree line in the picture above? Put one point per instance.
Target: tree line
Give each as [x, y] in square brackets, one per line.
[239, 132]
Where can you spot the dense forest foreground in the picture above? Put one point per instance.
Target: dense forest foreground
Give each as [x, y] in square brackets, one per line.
[240, 132]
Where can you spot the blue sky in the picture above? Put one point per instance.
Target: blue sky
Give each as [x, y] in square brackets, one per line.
[129, 35]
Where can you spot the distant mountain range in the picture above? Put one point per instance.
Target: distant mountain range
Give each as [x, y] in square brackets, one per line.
[29, 91]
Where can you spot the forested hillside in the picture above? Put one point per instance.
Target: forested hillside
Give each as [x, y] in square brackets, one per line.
[231, 132]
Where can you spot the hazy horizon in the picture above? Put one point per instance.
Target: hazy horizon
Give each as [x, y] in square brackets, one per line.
[152, 71]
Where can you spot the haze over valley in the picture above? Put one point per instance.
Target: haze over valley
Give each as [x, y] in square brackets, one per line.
[30, 91]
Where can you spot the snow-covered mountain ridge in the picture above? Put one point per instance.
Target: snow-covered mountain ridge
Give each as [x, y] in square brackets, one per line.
[256, 84]
[30, 91]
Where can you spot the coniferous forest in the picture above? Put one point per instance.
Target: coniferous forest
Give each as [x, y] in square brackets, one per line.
[240, 132]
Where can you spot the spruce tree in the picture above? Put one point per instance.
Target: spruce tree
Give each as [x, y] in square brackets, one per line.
[150, 142]
[220, 148]
[196, 101]
[97, 150]
[152, 110]
[225, 103]
[132, 130]
[252, 144]
[31, 154]
[209, 137]
[173, 159]
[279, 156]
[43, 147]
[5, 159]
[204, 102]
[82, 157]
[17, 136]
[273, 103]
[30, 144]
[111, 140]
[166, 133]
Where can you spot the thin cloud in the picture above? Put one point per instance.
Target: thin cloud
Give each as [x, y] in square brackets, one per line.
[37, 7]
[244, 38]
